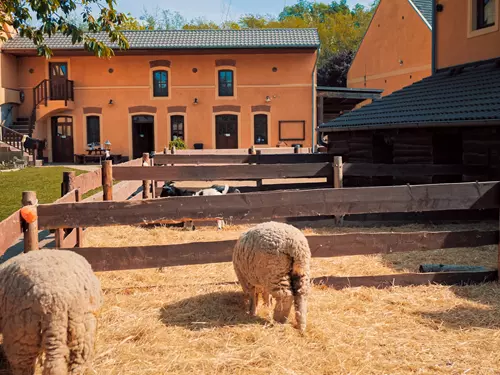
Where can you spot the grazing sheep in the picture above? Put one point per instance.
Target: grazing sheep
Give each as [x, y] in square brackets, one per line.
[274, 258]
[217, 190]
[50, 299]
[227, 189]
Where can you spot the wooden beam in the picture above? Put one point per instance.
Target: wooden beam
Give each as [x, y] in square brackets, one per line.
[223, 172]
[407, 279]
[348, 244]
[107, 180]
[88, 181]
[403, 170]
[270, 205]
[30, 229]
[10, 230]
[161, 159]
[321, 110]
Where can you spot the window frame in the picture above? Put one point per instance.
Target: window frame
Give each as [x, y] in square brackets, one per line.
[172, 126]
[254, 133]
[87, 118]
[473, 19]
[219, 84]
[155, 85]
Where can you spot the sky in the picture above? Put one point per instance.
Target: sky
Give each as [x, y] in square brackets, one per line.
[213, 10]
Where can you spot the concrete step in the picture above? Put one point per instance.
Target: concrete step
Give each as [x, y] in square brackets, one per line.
[23, 119]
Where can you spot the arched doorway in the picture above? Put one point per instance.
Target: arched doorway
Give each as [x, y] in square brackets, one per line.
[226, 131]
[143, 139]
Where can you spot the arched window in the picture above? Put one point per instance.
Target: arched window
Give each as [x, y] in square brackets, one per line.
[176, 127]
[226, 83]
[160, 83]
[93, 131]
[260, 129]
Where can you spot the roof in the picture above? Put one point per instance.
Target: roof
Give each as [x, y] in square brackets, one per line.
[349, 89]
[189, 39]
[468, 94]
[424, 8]
[348, 93]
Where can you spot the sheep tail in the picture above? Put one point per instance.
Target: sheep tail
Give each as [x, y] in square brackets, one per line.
[300, 287]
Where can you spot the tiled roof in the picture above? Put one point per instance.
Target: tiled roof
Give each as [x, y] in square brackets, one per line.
[425, 8]
[456, 95]
[191, 39]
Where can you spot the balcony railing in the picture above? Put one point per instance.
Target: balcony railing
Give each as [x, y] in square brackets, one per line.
[53, 89]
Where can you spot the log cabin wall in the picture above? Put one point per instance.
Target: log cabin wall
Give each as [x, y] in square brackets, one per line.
[476, 147]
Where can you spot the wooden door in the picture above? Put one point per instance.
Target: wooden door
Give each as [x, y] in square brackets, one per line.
[142, 135]
[58, 75]
[62, 139]
[226, 131]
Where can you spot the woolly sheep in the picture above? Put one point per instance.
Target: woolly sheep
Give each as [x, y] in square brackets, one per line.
[274, 258]
[50, 299]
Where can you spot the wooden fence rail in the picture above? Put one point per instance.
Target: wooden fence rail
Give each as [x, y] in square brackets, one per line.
[10, 230]
[269, 205]
[335, 245]
[162, 159]
[224, 172]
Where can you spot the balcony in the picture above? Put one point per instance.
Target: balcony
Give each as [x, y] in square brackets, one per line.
[52, 96]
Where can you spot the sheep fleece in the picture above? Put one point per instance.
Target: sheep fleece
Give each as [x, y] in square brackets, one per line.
[275, 258]
[50, 299]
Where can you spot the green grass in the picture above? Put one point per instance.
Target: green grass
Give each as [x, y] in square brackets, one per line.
[45, 181]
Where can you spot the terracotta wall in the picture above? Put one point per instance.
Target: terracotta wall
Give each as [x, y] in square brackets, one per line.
[129, 86]
[454, 42]
[396, 33]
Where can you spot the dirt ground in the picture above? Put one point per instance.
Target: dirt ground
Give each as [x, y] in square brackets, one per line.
[191, 319]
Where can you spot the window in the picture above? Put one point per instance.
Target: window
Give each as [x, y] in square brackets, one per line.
[160, 83]
[260, 129]
[485, 13]
[177, 127]
[226, 83]
[93, 131]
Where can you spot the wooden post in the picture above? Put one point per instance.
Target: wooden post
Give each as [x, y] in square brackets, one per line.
[321, 110]
[296, 149]
[146, 184]
[153, 182]
[338, 181]
[107, 180]
[165, 150]
[30, 229]
[79, 231]
[253, 151]
[68, 184]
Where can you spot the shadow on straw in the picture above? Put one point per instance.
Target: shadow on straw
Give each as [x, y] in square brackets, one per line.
[208, 311]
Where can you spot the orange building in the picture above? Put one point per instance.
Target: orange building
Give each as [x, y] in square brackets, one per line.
[397, 47]
[451, 117]
[218, 88]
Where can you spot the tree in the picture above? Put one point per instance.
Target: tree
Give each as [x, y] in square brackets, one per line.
[54, 16]
[334, 70]
[162, 19]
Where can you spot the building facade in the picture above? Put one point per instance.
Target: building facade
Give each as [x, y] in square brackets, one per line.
[451, 117]
[397, 47]
[215, 88]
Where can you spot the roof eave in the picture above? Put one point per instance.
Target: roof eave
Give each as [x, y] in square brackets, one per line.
[443, 124]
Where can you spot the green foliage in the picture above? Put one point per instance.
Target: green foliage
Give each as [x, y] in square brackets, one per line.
[52, 16]
[178, 143]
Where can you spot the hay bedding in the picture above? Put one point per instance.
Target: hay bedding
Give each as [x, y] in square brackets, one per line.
[191, 320]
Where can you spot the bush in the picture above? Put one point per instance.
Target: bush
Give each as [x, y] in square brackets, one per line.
[178, 143]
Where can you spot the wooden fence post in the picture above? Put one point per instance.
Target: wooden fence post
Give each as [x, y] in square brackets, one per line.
[146, 184]
[30, 229]
[253, 151]
[67, 184]
[153, 182]
[338, 181]
[107, 180]
[79, 231]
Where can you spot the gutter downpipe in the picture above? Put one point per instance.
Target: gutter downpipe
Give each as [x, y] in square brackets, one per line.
[313, 117]
[434, 38]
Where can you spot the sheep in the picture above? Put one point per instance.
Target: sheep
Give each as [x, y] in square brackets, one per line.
[274, 259]
[228, 189]
[50, 300]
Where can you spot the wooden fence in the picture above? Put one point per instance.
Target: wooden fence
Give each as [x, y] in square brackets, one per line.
[273, 205]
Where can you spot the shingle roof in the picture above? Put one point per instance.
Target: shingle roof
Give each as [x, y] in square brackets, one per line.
[425, 8]
[457, 95]
[191, 39]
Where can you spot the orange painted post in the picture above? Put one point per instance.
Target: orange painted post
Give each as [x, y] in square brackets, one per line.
[30, 220]
[338, 181]
[107, 180]
[146, 184]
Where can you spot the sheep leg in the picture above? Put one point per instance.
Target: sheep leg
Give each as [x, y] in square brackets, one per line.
[22, 345]
[266, 296]
[300, 302]
[284, 302]
[254, 301]
[81, 341]
[55, 338]
[249, 291]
